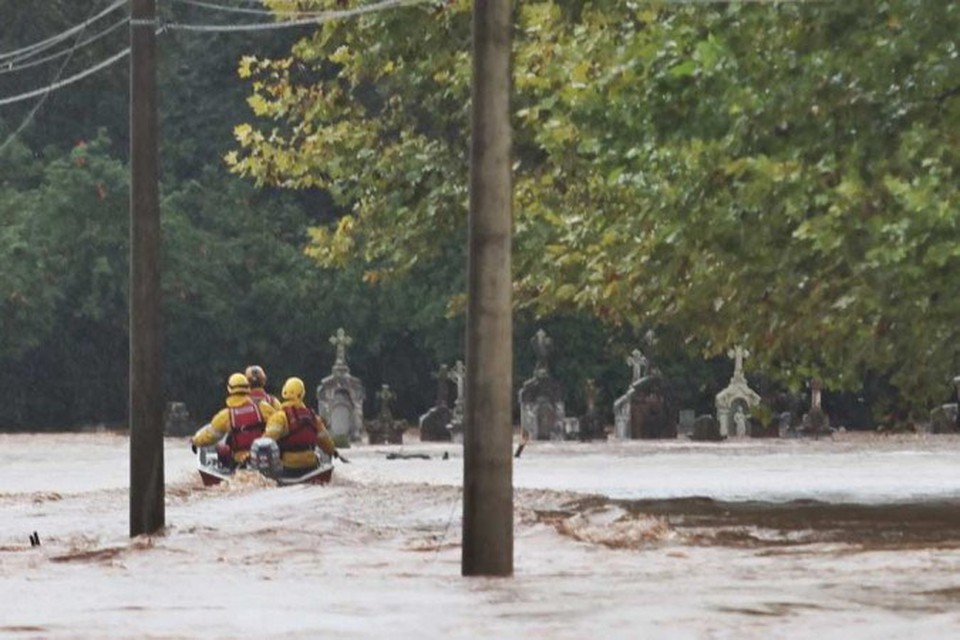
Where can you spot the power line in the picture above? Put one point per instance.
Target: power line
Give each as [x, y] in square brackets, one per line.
[37, 47]
[66, 81]
[10, 67]
[29, 117]
[231, 9]
[319, 18]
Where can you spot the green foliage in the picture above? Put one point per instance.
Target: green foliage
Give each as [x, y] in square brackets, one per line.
[777, 175]
[63, 288]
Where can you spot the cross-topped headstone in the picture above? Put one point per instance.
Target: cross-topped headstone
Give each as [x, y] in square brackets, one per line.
[459, 375]
[443, 389]
[639, 363]
[341, 341]
[385, 396]
[738, 353]
[590, 391]
[542, 346]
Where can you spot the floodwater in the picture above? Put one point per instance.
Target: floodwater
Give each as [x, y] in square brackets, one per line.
[755, 524]
[853, 538]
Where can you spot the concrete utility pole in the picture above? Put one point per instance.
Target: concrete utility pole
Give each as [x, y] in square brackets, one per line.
[488, 418]
[146, 404]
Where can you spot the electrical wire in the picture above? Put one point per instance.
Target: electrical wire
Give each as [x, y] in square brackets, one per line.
[319, 18]
[38, 47]
[66, 81]
[46, 92]
[260, 12]
[12, 67]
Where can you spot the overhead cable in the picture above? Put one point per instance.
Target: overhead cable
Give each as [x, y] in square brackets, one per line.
[319, 18]
[46, 93]
[13, 67]
[259, 12]
[66, 81]
[52, 41]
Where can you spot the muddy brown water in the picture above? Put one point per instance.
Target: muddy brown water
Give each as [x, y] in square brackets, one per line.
[705, 521]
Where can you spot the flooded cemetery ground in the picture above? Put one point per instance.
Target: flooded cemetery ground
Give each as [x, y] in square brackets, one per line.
[853, 537]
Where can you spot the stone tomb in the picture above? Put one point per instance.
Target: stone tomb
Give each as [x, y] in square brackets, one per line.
[434, 423]
[386, 430]
[176, 420]
[946, 417]
[816, 422]
[706, 429]
[685, 422]
[645, 410]
[340, 395]
[459, 375]
[590, 426]
[736, 401]
[541, 397]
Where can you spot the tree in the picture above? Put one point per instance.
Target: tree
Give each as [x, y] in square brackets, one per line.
[781, 176]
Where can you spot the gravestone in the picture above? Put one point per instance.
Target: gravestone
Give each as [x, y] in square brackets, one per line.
[943, 419]
[685, 422]
[176, 420]
[651, 416]
[645, 411]
[541, 397]
[385, 430]
[786, 407]
[735, 402]
[591, 428]
[756, 428]
[946, 417]
[340, 395]
[459, 375]
[816, 422]
[706, 429]
[433, 424]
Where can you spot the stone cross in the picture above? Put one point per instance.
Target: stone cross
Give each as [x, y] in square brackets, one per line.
[542, 345]
[386, 396]
[443, 390]
[341, 341]
[815, 394]
[591, 393]
[459, 375]
[639, 363]
[738, 353]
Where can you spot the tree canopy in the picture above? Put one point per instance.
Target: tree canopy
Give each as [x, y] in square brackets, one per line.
[778, 175]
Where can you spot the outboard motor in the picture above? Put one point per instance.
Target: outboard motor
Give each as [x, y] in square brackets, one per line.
[265, 457]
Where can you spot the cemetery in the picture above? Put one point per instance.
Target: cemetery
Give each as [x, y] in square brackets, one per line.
[646, 410]
[456, 319]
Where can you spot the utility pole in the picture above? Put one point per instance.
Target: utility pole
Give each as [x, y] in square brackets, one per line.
[145, 403]
[488, 417]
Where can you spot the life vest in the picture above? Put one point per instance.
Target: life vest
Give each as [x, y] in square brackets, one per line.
[258, 394]
[302, 430]
[246, 425]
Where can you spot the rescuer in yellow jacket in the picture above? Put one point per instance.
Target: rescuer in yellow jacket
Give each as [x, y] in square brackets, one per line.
[242, 420]
[297, 430]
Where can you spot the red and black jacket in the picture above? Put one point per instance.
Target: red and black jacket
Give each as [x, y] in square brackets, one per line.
[301, 429]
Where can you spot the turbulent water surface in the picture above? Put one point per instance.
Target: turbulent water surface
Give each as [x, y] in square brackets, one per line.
[855, 537]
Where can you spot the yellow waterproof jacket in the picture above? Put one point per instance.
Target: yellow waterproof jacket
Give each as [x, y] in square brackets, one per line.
[220, 424]
[277, 428]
